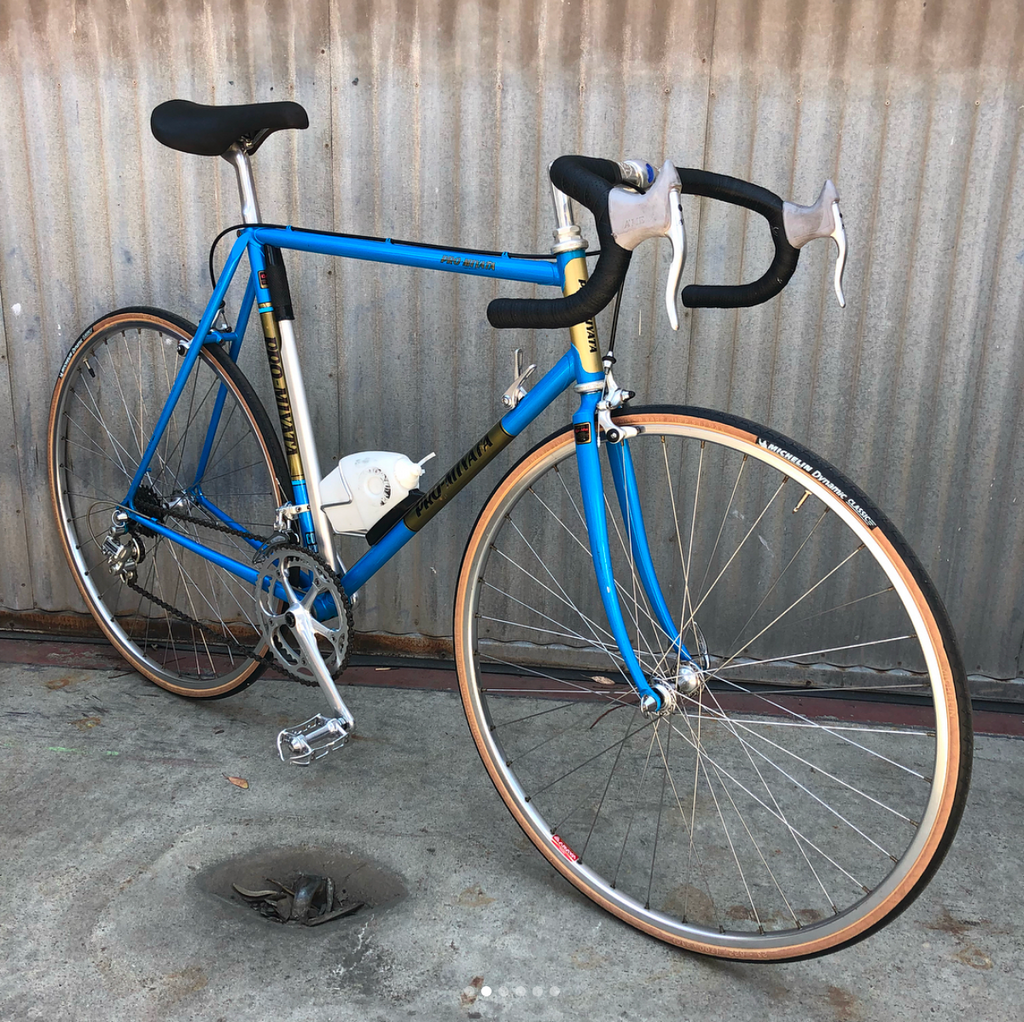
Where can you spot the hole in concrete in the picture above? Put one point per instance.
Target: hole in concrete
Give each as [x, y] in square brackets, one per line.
[357, 880]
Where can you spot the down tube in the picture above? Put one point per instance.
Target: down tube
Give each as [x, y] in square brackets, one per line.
[621, 462]
[589, 464]
[553, 383]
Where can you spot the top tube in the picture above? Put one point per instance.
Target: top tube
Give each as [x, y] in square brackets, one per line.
[384, 250]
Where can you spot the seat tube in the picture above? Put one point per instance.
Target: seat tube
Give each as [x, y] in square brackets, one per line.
[277, 319]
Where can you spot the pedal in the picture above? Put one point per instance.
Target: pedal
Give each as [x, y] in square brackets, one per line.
[305, 743]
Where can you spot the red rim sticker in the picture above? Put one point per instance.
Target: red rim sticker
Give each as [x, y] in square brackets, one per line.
[564, 848]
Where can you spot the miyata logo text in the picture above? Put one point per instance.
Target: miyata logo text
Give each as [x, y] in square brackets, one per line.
[794, 459]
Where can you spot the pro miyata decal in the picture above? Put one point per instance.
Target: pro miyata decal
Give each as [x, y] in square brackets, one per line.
[564, 848]
[795, 459]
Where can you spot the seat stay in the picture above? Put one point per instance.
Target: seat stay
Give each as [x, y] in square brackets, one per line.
[188, 363]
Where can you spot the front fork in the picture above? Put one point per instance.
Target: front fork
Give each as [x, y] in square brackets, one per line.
[627, 492]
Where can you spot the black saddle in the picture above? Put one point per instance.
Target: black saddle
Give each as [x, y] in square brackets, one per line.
[212, 130]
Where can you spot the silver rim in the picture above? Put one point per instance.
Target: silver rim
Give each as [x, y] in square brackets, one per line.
[110, 398]
[765, 816]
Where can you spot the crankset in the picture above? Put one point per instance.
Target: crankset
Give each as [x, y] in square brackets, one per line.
[306, 621]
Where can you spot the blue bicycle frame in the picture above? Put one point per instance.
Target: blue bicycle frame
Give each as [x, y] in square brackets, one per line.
[580, 366]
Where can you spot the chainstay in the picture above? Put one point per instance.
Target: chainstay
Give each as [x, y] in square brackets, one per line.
[267, 659]
[249, 652]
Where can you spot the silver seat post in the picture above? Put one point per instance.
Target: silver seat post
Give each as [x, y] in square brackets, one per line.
[239, 159]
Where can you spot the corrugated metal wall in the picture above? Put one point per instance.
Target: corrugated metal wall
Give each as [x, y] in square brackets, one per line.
[434, 120]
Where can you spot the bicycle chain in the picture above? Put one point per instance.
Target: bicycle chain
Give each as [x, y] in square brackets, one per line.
[267, 659]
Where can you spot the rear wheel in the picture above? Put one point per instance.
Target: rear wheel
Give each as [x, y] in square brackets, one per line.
[107, 400]
[813, 772]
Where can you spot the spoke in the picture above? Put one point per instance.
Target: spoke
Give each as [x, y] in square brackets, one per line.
[778, 578]
[735, 553]
[781, 814]
[586, 762]
[795, 603]
[547, 617]
[844, 606]
[185, 431]
[565, 528]
[733, 664]
[816, 768]
[830, 729]
[593, 647]
[609, 696]
[636, 800]
[725, 519]
[563, 594]
[95, 413]
[702, 761]
[539, 713]
[664, 753]
[611, 773]
[524, 754]
[803, 837]
[185, 578]
[94, 494]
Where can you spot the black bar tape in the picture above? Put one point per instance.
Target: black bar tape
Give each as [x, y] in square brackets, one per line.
[277, 283]
[760, 200]
[588, 181]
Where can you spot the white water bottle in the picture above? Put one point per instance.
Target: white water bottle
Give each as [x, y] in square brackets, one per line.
[365, 486]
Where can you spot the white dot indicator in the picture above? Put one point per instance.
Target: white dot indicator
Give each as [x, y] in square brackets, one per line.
[538, 991]
[485, 991]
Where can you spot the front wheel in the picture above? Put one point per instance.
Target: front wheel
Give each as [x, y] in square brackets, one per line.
[813, 771]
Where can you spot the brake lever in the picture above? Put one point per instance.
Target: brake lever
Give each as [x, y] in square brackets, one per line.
[677, 236]
[656, 213]
[821, 220]
[838, 235]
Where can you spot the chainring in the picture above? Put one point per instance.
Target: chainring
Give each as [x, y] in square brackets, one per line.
[309, 581]
[150, 503]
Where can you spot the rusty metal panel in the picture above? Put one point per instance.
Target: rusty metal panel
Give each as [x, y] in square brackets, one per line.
[435, 119]
[15, 594]
[915, 110]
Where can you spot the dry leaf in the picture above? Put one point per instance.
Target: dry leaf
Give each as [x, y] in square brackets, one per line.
[238, 782]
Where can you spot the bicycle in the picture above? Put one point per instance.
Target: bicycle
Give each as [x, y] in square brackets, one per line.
[661, 615]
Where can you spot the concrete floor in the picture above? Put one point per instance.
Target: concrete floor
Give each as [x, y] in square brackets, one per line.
[117, 820]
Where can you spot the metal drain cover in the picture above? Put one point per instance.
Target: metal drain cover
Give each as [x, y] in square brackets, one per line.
[304, 886]
[309, 901]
